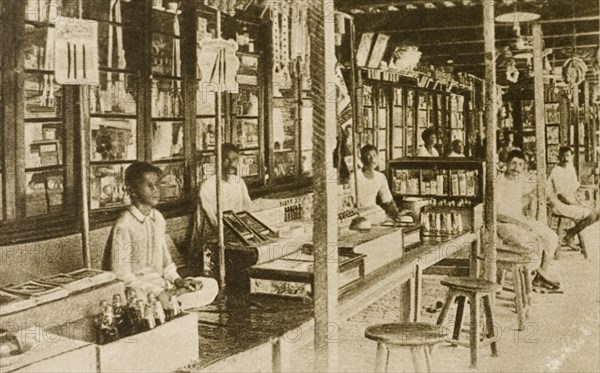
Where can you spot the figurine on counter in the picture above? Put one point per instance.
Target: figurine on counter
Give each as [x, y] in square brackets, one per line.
[149, 316]
[118, 310]
[158, 312]
[173, 308]
[107, 330]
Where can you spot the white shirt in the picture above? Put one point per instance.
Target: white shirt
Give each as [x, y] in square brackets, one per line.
[456, 155]
[563, 181]
[370, 189]
[423, 152]
[138, 251]
[510, 194]
[234, 196]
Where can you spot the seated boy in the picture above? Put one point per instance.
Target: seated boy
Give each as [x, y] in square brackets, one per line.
[137, 250]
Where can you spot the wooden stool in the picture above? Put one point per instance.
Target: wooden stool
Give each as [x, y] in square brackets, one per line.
[417, 336]
[558, 219]
[474, 289]
[517, 264]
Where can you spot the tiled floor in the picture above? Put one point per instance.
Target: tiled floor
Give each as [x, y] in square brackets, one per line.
[562, 335]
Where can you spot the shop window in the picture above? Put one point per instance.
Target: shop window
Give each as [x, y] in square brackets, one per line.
[44, 122]
[114, 129]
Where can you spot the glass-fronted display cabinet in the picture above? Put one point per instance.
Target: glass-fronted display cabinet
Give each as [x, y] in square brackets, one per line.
[114, 118]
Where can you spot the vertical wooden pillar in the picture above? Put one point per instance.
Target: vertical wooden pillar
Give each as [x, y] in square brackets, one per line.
[322, 64]
[491, 107]
[565, 118]
[593, 128]
[84, 174]
[10, 82]
[540, 122]
[188, 67]
[575, 126]
[587, 125]
[218, 163]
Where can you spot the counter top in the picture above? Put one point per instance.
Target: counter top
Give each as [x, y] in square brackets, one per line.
[239, 322]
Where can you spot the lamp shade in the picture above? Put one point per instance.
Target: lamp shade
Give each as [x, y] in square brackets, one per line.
[519, 17]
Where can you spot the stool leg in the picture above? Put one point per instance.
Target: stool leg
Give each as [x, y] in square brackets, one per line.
[414, 352]
[459, 318]
[528, 284]
[582, 245]
[523, 291]
[518, 297]
[381, 359]
[474, 329]
[427, 358]
[444, 312]
[557, 253]
[489, 318]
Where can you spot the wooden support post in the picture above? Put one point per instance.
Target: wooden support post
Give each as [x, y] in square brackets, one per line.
[575, 124]
[84, 175]
[565, 117]
[593, 128]
[218, 163]
[491, 107]
[322, 69]
[587, 125]
[540, 122]
[407, 300]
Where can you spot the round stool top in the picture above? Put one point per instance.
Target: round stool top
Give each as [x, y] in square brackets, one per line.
[407, 333]
[472, 284]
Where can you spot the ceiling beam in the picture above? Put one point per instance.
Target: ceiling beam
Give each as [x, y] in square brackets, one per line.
[505, 40]
[478, 26]
[462, 42]
[361, 4]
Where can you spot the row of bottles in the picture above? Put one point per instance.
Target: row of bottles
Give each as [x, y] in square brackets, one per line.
[462, 202]
[440, 183]
[441, 223]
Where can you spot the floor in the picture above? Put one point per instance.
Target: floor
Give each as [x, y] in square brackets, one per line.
[562, 334]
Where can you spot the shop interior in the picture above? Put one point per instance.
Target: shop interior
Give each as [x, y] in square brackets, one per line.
[299, 87]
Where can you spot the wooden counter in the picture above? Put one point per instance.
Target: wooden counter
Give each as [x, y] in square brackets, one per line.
[242, 328]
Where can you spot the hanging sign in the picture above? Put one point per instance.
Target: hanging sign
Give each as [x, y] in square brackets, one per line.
[76, 52]
[218, 64]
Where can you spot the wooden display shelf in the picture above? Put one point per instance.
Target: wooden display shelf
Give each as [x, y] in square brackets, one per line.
[165, 348]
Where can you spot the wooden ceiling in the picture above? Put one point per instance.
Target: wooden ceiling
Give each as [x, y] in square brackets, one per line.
[452, 30]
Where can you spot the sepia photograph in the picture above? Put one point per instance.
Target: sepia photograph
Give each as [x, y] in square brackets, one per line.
[195, 186]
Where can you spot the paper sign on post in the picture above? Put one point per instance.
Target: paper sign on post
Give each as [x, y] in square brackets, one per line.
[218, 65]
[76, 52]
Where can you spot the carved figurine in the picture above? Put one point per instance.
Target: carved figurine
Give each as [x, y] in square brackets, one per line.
[174, 308]
[157, 309]
[117, 307]
[107, 331]
[149, 316]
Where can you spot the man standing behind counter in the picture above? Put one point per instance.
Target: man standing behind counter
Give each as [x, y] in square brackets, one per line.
[372, 184]
[233, 188]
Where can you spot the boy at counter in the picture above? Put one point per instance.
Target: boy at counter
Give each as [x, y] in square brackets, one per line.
[525, 236]
[137, 250]
[372, 184]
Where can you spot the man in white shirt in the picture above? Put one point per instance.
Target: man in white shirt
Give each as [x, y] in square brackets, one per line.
[372, 184]
[532, 238]
[429, 138]
[562, 189]
[233, 188]
[458, 149]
